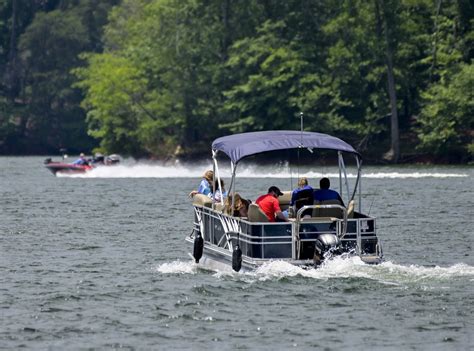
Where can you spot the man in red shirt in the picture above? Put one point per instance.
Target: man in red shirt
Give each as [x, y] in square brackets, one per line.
[270, 206]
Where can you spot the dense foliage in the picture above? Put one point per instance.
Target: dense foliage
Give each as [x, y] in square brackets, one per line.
[162, 78]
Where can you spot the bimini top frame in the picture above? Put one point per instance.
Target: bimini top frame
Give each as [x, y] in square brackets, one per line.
[240, 146]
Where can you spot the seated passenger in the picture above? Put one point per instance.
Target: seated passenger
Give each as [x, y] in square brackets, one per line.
[270, 205]
[241, 206]
[216, 194]
[298, 192]
[324, 193]
[81, 161]
[205, 185]
[301, 196]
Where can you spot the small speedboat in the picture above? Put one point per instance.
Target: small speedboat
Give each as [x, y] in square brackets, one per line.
[71, 168]
[315, 232]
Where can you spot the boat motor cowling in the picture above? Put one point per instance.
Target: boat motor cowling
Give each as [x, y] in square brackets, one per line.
[324, 244]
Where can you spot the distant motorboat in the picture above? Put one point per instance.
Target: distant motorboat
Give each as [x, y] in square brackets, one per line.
[61, 167]
[315, 231]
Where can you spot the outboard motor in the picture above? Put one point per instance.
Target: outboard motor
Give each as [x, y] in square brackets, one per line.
[324, 244]
[112, 159]
[98, 158]
[198, 247]
[47, 161]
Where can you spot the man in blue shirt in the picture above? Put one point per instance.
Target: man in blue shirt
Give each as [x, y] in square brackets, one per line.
[324, 193]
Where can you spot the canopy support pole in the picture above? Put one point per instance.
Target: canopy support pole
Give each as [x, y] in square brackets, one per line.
[359, 182]
[216, 171]
[233, 169]
[343, 167]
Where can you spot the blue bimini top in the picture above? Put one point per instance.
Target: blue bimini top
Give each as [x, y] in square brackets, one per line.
[239, 146]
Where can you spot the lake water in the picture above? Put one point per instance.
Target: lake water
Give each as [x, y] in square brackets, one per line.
[100, 262]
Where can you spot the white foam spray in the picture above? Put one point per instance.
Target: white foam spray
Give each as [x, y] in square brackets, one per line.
[178, 267]
[180, 170]
[387, 273]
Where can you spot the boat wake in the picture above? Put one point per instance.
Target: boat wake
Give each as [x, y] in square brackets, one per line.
[387, 273]
[177, 170]
[178, 267]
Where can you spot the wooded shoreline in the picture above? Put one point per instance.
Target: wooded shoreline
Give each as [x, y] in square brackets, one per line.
[161, 79]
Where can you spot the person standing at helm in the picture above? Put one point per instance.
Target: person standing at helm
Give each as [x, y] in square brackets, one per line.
[270, 205]
[205, 185]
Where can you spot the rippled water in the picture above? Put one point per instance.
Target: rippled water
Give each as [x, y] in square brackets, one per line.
[99, 261]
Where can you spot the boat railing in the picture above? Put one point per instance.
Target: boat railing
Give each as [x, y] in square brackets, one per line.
[299, 216]
[299, 219]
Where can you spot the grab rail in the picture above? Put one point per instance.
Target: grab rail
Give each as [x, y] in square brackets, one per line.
[304, 208]
[298, 219]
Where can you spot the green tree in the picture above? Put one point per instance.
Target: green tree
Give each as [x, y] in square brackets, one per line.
[43, 41]
[48, 50]
[446, 121]
[177, 49]
[268, 69]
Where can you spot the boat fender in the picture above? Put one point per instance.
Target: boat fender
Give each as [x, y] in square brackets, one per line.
[198, 247]
[237, 258]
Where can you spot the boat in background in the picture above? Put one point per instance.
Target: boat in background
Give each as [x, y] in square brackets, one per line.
[316, 230]
[70, 168]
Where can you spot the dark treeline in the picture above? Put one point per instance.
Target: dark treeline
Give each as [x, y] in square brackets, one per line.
[161, 78]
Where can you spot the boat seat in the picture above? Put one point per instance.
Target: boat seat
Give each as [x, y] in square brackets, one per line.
[219, 207]
[285, 200]
[255, 214]
[202, 200]
[327, 212]
[304, 198]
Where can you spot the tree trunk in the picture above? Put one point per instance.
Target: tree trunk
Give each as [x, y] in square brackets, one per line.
[435, 41]
[11, 77]
[225, 36]
[382, 26]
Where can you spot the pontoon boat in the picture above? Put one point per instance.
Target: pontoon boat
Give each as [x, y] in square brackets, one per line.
[316, 231]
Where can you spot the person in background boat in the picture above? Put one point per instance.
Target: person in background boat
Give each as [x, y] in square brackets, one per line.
[270, 205]
[81, 161]
[241, 206]
[324, 193]
[216, 194]
[205, 185]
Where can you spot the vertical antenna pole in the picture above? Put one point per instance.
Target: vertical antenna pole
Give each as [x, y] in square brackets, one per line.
[301, 142]
[301, 119]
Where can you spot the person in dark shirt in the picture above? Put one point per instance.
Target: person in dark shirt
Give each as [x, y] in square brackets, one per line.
[324, 193]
